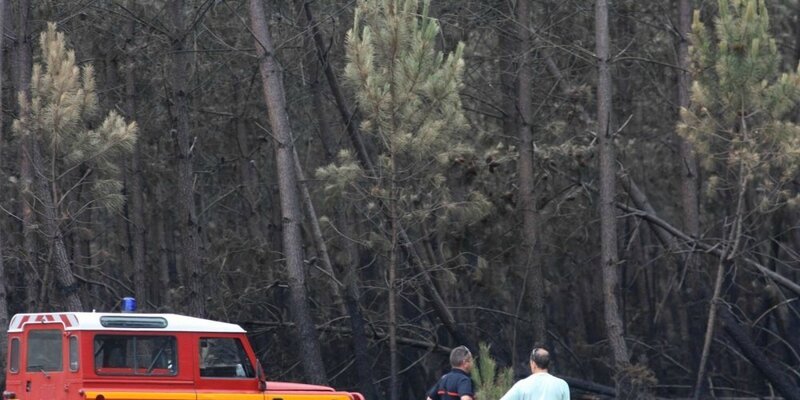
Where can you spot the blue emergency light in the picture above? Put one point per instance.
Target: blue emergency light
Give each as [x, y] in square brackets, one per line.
[128, 304]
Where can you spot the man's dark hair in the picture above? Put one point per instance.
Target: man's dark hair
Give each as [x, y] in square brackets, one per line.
[459, 356]
[541, 357]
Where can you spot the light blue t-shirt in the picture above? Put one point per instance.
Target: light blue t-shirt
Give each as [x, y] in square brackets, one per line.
[539, 386]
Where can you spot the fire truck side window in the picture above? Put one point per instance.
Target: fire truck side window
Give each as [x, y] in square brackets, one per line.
[135, 355]
[73, 353]
[44, 351]
[224, 358]
[13, 365]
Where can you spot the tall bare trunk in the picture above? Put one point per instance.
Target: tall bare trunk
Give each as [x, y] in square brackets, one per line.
[274, 97]
[710, 327]
[160, 221]
[316, 233]
[135, 194]
[609, 261]
[247, 170]
[527, 197]
[689, 192]
[394, 362]
[191, 242]
[694, 287]
[729, 250]
[22, 82]
[352, 302]
[3, 300]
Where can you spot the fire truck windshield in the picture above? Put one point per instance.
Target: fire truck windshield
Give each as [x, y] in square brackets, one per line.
[44, 351]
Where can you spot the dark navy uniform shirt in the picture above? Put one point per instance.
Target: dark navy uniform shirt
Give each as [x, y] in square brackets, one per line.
[452, 386]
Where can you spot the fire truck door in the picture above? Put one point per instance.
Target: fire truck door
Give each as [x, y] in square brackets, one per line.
[43, 371]
[225, 372]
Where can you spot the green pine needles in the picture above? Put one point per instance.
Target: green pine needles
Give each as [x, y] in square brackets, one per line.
[59, 115]
[408, 95]
[490, 383]
[737, 118]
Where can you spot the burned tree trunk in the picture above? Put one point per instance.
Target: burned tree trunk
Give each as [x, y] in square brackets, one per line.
[135, 173]
[274, 97]
[191, 242]
[527, 197]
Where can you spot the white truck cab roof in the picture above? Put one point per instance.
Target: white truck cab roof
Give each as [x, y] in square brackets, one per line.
[96, 321]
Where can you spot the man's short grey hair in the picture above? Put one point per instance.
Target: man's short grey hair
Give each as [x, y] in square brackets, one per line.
[459, 356]
[541, 357]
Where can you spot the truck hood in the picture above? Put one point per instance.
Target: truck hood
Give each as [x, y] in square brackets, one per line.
[273, 386]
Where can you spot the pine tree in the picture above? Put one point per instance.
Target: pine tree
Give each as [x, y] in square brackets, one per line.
[408, 94]
[490, 383]
[68, 153]
[737, 119]
[737, 122]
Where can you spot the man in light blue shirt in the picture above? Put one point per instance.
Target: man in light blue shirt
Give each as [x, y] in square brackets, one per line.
[540, 385]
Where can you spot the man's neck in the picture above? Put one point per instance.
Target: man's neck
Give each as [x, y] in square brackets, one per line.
[539, 371]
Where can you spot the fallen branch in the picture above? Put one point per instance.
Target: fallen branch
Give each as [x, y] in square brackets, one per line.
[768, 368]
[715, 250]
[588, 386]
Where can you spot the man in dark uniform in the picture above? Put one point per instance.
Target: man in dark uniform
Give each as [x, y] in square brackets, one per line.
[456, 384]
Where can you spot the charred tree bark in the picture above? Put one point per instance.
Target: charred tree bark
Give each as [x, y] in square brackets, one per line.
[688, 166]
[247, 171]
[3, 278]
[352, 303]
[394, 362]
[191, 243]
[694, 287]
[710, 327]
[137, 225]
[609, 261]
[527, 198]
[274, 97]
[22, 82]
[160, 221]
[348, 118]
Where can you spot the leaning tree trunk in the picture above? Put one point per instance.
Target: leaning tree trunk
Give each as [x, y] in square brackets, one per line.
[191, 242]
[61, 264]
[609, 261]
[350, 293]
[527, 197]
[135, 172]
[785, 384]
[274, 97]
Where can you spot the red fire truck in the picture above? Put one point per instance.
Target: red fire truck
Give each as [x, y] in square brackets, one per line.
[133, 356]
